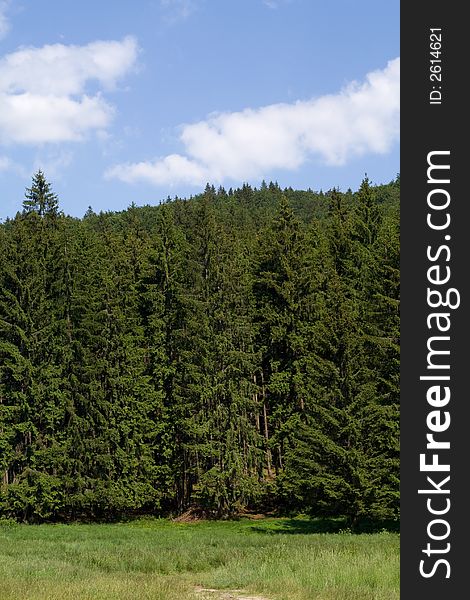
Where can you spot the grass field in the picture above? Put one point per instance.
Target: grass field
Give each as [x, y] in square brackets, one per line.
[273, 559]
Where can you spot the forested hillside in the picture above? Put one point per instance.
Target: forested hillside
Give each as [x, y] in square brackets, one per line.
[238, 349]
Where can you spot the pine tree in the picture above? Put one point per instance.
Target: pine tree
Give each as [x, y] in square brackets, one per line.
[286, 315]
[231, 350]
[343, 457]
[29, 323]
[39, 198]
[317, 472]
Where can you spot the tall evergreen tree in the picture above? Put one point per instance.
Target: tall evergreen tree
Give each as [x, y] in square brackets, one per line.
[231, 350]
[40, 198]
[30, 320]
[284, 289]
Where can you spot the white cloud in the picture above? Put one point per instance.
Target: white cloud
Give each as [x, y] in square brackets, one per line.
[35, 119]
[171, 169]
[64, 70]
[362, 118]
[43, 90]
[4, 23]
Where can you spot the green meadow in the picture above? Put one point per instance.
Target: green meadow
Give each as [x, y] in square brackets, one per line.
[265, 559]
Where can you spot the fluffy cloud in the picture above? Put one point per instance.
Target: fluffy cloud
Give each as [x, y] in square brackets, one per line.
[171, 169]
[362, 118]
[35, 119]
[43, 90]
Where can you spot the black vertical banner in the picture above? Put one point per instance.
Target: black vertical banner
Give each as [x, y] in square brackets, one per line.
[435, 358]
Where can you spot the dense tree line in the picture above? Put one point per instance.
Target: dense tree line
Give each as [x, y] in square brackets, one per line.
[237, 349]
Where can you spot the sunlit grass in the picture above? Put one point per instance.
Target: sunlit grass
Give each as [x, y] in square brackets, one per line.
[282, 559]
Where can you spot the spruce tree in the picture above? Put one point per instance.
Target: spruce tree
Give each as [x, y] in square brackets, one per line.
[225, 351]
[40, 198]
[286, 315]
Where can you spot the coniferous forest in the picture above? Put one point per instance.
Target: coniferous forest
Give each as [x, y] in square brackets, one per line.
[237, 350]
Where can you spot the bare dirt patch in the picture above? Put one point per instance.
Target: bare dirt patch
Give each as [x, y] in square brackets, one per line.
[213, 594]
[196, 513]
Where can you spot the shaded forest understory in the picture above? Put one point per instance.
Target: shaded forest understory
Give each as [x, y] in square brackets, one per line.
[235, 350]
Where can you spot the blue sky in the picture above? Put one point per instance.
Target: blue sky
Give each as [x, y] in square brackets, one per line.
[121, 101]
